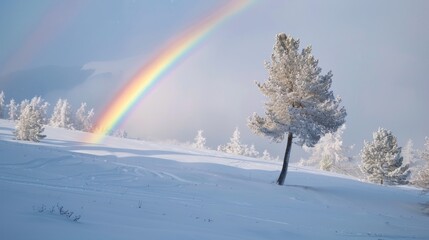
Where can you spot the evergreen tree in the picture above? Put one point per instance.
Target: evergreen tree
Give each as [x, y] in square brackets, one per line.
[89, 121]
[408, 152]
[83, 119]
[119, 133]
[29, 126]
[2, 105]
[199, 140]
[42, 106]
[61, 116]
[329, 152]
[234, 146]
[56, 114]
[382, 160]
[251, 151]
[266, 155]
[299, 100]
[422, 176]
[23, 105]
[13, 110]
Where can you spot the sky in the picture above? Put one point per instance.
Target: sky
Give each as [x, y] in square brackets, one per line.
[86, 50]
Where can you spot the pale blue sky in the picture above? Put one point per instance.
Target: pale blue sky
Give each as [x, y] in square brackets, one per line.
[377, 51]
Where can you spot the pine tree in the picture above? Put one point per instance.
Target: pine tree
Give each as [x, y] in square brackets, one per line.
[266, 155]
[2, 105]
[13, 110]
[299, 100]
[42, 106]
[88, 124]
[81, 118]
[23, 105]
[199, 140]
[29, 126]
[382, 160]
[234, 146]
[329, 152]
[422, 176]
[56, 114]
[61, 116]
[251, 151]
[119, 133]
[408, 152]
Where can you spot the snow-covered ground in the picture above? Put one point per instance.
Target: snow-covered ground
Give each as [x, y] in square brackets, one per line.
[129, 189]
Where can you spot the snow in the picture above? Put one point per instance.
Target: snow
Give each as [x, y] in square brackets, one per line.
[130, 189]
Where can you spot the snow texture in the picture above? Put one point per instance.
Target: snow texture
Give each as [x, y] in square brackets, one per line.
[129, 189]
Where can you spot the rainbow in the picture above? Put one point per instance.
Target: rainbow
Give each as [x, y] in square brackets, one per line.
[163, 61]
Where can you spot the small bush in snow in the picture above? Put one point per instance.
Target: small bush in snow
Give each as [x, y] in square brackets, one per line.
[58, 210]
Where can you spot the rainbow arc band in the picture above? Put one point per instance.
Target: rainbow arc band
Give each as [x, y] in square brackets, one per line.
[156, 68]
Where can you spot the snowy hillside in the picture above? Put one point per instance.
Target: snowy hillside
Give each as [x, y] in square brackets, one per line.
[129, 189]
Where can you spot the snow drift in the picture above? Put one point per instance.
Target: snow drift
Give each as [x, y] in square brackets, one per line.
[129, 189]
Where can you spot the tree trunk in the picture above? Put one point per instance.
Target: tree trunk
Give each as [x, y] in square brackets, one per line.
[283, 173]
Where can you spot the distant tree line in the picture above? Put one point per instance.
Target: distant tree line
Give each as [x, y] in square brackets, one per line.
[32, 115]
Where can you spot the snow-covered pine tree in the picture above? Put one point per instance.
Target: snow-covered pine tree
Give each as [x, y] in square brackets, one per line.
[29, 126]
[199, 141]
[408, 152]
[56, 114]
[2, 105]
[119, 133]
[424, 154]
[42, 106]
[61, 116]
[251, 151]
[66, 115]
[234, 146]
[88, 125]
[13, 110]
[382, 160]
[299, 100]
[421, 179]
[23, 105]
[83, 119]
[266, 155]
[329, 152]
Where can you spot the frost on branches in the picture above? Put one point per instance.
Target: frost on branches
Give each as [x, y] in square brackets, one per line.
[329, 153]
[422, 176]
[2, 105]
[61, 117]
[251, 151]
[382, 161]
[84, 120]
[13, 110]
[199, 141]
[234, 146]
[266, 155]
[29, 126]
[299, 100]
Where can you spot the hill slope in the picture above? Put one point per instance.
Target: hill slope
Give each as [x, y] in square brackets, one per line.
[128, 189]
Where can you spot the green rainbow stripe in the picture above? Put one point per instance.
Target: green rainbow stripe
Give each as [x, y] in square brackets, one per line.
[115, 112]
